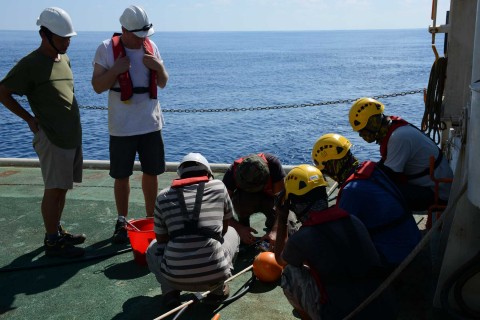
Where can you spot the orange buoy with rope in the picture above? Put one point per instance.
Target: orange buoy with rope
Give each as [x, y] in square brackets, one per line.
[266, 268]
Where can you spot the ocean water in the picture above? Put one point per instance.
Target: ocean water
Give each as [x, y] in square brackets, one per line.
[216, 70]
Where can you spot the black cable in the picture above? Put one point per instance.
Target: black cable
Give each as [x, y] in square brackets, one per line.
[64, 262]
[470, 269]
[431, 121]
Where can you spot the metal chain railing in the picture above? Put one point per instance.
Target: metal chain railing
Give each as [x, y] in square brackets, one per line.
[275, 107]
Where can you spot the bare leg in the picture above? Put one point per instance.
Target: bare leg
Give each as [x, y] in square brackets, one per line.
[122, 193]
[61, 205]
[150, 191]
[52, 206]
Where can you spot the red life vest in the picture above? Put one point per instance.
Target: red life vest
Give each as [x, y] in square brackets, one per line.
[124, 79]
[319, 217]
[268, 187]
[177, 183]
[364, 171]
[396, 123]
[330, 214]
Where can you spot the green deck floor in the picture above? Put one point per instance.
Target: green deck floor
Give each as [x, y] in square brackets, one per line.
[103, 285]
[106, 283]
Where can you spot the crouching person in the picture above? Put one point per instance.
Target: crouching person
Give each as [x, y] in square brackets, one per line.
[331, 265]
[194, 248]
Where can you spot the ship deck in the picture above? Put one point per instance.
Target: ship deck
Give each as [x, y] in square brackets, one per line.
[106, 283]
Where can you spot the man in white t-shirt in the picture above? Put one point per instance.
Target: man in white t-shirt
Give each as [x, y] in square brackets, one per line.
[405, 153]
[129, 65]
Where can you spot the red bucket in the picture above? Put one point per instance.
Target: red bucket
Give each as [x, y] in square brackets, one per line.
[141, 238]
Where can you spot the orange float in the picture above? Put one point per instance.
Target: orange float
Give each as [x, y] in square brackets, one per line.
[266, 268]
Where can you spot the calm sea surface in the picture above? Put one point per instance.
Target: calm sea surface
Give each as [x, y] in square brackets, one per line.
[210, 70]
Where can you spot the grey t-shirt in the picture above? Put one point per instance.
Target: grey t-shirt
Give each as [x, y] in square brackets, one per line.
[409, 152]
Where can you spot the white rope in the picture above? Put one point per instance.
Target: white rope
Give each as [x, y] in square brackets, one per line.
[204, 294]
[333, 188]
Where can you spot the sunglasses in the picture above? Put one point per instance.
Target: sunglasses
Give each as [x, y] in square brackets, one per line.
[144, 28]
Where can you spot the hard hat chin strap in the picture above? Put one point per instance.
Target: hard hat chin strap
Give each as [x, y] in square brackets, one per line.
[340, 169]
[49, 35]
[348, 165]
[314, 200]
[301, 209]
[383, 128]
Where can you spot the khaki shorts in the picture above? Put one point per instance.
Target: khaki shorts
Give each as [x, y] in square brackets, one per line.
[60, 167]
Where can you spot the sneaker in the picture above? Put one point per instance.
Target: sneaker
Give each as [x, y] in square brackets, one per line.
[71, 238]
[61, 248]
[219, 294]
[120, 234]
[171, 299]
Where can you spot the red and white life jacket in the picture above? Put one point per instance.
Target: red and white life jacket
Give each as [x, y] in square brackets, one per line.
[124, 79]
[396, 123]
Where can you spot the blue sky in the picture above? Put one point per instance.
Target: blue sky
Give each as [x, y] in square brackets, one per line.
[233, 15]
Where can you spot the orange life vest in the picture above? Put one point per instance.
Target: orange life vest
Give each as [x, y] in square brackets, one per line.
[124, 79]
[177, 183]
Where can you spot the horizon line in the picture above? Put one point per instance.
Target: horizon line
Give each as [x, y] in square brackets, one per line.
[276, 30]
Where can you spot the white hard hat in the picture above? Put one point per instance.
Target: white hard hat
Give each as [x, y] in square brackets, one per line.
[57, 21]
[135, 20]
[202, 164]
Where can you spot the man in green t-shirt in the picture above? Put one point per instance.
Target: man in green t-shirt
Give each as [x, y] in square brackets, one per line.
[44, 76]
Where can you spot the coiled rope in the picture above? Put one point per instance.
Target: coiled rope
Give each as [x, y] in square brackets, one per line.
[431, 121]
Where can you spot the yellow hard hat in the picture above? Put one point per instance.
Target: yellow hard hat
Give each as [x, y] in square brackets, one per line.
[330, 146]
[362, 110]
[302, 179]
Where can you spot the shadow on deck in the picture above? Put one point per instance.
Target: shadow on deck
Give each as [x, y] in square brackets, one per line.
[106, 283]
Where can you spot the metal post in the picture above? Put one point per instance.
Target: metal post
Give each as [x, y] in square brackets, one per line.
[474, 121]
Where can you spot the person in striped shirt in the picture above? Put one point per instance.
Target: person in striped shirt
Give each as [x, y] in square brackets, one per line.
[195, 247]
